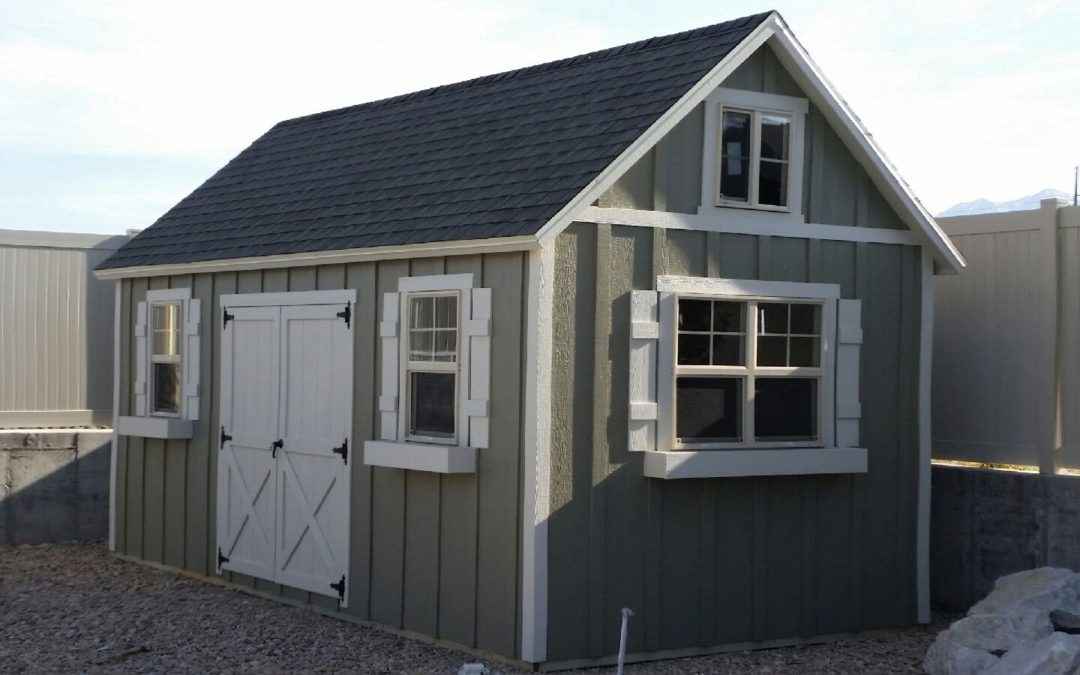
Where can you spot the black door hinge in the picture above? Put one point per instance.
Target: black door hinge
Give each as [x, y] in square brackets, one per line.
[345, 314]
[275, 446]
[340, 588]
[342, 450]
[224, 436]
[226, 318]
[221, 558]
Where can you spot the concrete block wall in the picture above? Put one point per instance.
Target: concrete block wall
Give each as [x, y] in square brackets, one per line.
[54, 486]
[986, 523]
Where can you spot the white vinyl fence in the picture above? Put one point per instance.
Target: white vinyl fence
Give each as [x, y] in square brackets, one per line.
[56, 323]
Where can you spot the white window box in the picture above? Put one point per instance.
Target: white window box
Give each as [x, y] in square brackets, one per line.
[155, 427]
[736, 463]
[420, 456]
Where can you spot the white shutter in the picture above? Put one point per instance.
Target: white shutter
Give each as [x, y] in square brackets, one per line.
[388, 397]
[644, 338]
[665, 372]
[477, 334]
[849, 342]
[141, 358]
[191, 359]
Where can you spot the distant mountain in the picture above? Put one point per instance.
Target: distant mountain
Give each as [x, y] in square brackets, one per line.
[987, 206]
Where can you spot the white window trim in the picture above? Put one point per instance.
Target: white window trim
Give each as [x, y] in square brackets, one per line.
[796, 109]
[172, 296]
[672, 288]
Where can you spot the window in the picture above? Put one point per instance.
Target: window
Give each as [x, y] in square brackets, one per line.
[165, 358]
[432, 369]
[753, 152]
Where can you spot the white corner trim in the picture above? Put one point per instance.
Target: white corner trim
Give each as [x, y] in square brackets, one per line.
[114, 451]
[155, 427]
[745, 287]
[536, 490]
[168, 295]
[795, 57]
[420, 456]
[436, 282]
[746, 221]
[926, 352]
[695, 95]
[331, 297]
[736, 463]
[339, 257]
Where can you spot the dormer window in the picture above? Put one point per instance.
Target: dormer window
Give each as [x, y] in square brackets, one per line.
[753, 151]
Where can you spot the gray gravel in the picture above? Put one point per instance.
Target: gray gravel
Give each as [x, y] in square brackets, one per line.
[72, 607]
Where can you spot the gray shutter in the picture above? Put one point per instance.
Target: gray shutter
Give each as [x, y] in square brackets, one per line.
[644, 339]
[141, 359]
[191, 358]
[849, 339]
[477, 334]
[389, 329]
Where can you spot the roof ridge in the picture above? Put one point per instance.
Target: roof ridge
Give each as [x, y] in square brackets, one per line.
[618, 50]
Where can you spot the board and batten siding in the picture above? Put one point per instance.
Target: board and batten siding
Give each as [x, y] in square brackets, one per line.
[705, 562]
[56, 342]
[435, 554]
[836, 189]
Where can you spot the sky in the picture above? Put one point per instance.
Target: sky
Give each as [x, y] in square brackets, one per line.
[111, 112]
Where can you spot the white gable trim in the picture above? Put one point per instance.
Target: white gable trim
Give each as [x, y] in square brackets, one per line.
[823, 94]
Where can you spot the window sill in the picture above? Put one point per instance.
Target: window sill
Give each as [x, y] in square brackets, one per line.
[736, 463]
[420, 456]
[155, 427]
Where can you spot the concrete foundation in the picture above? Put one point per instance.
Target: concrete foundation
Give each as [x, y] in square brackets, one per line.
[986, 523]
[54, 486]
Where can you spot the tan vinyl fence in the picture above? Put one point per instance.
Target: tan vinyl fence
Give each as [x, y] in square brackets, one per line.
[1007, 341]
[56, 324]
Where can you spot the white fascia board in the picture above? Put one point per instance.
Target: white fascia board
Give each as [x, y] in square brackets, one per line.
[861, 143]
[743, 221]
[330, 297]
[155, 427]
[420, 456]
[671, 465]
[437, 249]
[681, 108]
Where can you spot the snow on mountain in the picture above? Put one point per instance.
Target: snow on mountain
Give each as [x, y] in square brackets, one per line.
[986, 206]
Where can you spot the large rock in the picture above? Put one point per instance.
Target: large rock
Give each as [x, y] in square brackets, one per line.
[949, 657]
[1001, 632]
[1056, 654]
[1045, 589]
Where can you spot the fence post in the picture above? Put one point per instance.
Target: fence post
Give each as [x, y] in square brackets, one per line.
[1049, 411]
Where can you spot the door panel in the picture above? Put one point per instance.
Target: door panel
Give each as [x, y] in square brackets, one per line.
[247, 484]
[315, 418]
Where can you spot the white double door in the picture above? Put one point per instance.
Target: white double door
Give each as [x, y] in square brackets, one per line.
[283, 465]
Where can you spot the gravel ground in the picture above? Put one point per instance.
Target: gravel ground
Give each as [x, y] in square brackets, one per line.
[67, 608]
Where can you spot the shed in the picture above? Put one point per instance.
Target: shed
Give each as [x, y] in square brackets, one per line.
[646, 328]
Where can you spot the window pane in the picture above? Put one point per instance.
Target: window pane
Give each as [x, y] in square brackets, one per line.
[727, 350]
[420, 345]
[422, 312]
[775, 132]
[432, 405]
[772, 351]
[693, 349]
[728, 317]
[804, 352]
[772, 317]
[785, 408]
[694, 315]
[708, 408]
[446, 311]
[446, 345]
[773, 183]
[735, 156]
[804, 319]
[167, 387]
[166, 329]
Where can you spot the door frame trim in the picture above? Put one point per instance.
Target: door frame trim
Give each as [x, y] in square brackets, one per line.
[332, 297]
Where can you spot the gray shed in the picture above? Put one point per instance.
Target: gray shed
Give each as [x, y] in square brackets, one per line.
[643, 328]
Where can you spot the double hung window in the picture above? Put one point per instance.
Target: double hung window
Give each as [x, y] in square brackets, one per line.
[755, 153]
[166, 358]
[432, 368]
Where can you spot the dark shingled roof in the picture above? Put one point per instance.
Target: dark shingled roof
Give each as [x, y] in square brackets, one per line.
[496, 156]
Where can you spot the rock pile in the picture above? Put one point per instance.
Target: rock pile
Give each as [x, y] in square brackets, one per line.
[1026, 626]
